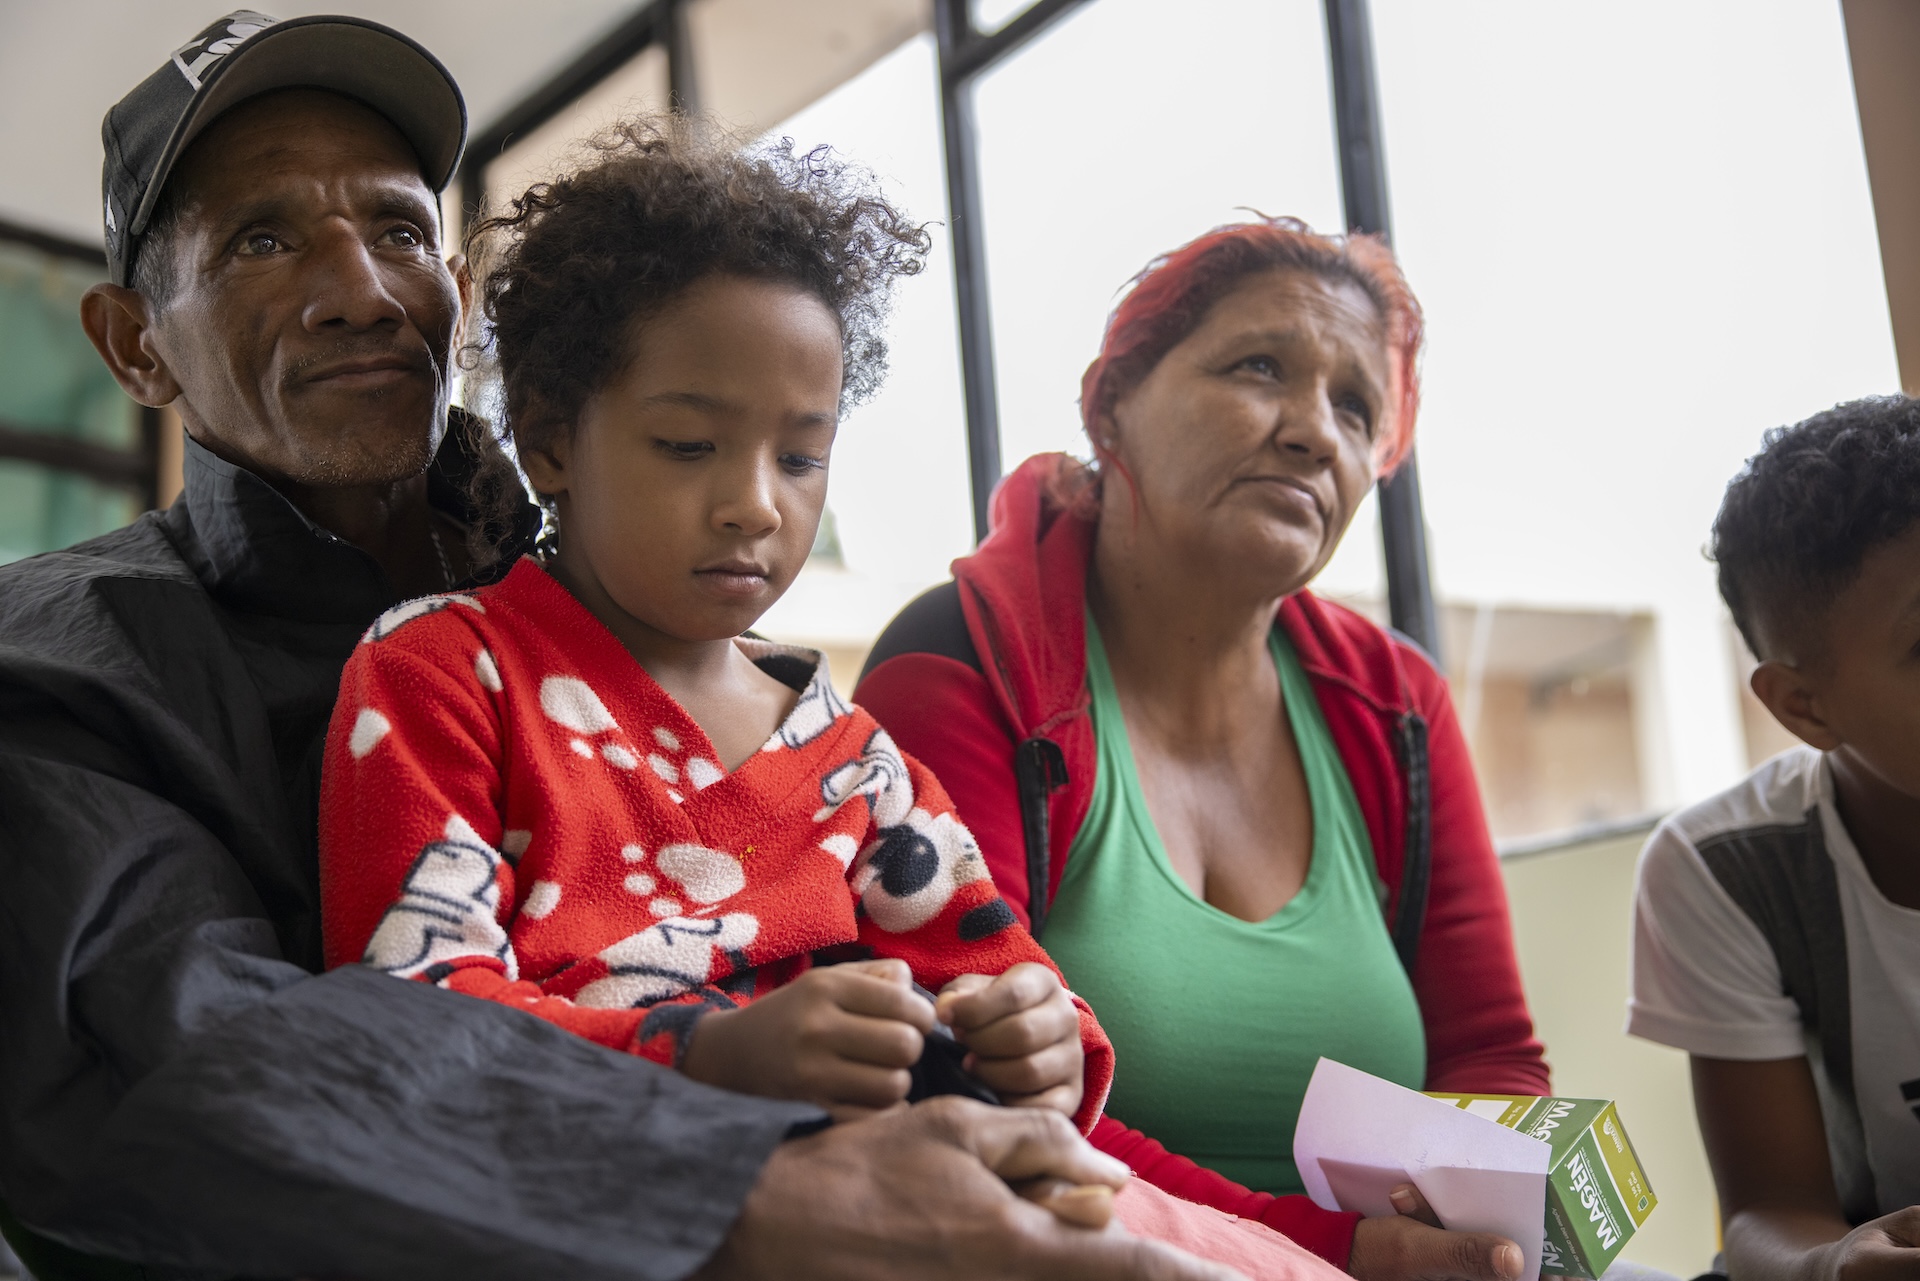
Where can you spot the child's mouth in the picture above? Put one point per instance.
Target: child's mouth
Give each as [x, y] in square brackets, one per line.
[734, 579]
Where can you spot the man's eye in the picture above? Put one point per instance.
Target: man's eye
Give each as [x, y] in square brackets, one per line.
[688, 449]
[802, 464]
[259, 243]
[406, 237]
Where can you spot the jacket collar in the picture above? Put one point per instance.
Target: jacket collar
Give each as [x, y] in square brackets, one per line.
[259, 554]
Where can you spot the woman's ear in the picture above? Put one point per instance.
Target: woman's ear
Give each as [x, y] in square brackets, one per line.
[1794, 703]
[120, 326]
[1104, 430]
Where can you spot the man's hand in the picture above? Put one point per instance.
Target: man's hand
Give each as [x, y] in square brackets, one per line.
[1023, 1034]
[842, 1036]
[1412, 1246]
[921, 1194]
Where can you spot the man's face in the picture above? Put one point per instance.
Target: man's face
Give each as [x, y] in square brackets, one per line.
[311, 321]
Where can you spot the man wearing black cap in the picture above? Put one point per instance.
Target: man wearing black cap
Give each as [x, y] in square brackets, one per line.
[177, 1087]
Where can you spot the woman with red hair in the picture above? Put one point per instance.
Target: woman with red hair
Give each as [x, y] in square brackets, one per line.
[1242, 819]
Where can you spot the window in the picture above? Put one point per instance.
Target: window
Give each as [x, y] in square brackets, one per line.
[74, 457]
[898, 503]
[1640, 243]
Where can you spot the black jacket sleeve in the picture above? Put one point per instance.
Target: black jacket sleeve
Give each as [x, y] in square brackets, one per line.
[174, 1090]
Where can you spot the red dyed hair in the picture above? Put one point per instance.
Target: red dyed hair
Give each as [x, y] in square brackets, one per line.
[1173, 294]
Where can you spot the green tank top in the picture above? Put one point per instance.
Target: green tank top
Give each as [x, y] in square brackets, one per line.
[1217, 1022]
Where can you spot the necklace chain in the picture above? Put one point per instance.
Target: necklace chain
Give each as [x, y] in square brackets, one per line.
[440, 551]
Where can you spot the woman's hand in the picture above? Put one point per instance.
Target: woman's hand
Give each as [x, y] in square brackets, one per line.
[1023, 1034]
[842, 1036]
[1412, 1246]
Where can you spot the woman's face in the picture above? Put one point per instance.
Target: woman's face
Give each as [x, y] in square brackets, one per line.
[1251, 442]
[691, 488]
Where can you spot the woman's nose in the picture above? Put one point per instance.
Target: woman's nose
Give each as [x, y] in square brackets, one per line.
[747, 504]
[1308, 424]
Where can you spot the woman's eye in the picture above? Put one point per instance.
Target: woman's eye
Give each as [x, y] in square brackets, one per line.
[688, 449]
[1360, 409]
[802, 464]
[1263, 365]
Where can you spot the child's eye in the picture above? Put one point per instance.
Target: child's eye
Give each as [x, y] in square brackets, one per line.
[802, 464]
[688, 449]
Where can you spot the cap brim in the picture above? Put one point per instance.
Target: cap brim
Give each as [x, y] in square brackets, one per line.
[362, 60]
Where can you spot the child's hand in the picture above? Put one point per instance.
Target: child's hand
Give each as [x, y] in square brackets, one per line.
[842, 1036]
[1024, 1034]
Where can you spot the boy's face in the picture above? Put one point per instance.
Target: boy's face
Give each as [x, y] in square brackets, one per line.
[691, 489]
[1857, 690]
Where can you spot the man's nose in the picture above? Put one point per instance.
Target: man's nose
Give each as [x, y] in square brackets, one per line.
[746, 503]
[346, 287]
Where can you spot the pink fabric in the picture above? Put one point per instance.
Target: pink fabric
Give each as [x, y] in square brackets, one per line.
[1257, 1251]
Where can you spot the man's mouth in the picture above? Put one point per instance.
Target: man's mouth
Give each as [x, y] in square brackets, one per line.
[364, 372]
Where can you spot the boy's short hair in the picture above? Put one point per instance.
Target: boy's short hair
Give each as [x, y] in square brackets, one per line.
[1805, 511]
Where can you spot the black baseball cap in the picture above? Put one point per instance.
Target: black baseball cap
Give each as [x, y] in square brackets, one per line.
[245, 54]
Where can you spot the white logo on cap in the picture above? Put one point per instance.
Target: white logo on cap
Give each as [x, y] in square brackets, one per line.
[242, 26]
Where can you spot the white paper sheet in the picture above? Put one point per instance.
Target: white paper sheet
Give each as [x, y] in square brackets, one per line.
[1358, 1136]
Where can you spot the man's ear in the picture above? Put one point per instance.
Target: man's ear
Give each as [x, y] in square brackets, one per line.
[119, 323]
[1786, 693]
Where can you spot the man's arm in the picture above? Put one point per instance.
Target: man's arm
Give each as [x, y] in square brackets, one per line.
[175, 1091]
[1768, 1149]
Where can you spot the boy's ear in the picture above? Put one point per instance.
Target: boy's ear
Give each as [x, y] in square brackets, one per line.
[1793, 702]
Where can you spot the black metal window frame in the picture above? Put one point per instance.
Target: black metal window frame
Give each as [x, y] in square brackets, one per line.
[136, 469]
[967, 53]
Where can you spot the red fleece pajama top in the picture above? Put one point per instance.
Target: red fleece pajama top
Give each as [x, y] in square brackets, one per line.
[512, 808]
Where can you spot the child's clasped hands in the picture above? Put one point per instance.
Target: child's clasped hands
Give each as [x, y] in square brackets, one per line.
[846, 1036]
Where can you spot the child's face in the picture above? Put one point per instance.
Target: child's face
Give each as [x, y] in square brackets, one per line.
[691, 488]
[1859, 691]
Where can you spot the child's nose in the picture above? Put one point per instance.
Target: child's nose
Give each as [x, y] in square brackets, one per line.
[748, 507]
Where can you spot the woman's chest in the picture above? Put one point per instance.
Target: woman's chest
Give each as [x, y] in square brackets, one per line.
[1237, 822]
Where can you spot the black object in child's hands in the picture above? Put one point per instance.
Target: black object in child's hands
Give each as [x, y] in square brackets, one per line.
[939, 1072]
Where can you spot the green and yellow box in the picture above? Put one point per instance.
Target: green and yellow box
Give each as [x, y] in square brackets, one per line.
[1597, 1194]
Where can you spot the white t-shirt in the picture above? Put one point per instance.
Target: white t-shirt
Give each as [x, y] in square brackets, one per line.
[1707, 980]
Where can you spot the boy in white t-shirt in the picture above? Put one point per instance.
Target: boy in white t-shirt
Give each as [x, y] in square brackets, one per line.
[1777, 925]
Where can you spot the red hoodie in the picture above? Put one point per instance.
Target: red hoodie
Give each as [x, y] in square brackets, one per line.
[972, 673]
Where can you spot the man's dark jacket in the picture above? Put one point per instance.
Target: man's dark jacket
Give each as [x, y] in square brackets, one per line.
[176, 1085]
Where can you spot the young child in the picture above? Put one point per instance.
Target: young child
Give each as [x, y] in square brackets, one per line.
[1777, 932]
[580, 791]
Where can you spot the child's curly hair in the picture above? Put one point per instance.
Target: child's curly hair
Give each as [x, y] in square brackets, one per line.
[574, 265]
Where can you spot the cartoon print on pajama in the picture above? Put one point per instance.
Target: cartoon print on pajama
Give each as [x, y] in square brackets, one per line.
[639, 886]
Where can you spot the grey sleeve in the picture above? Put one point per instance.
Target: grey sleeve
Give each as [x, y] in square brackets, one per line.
[173, 1091]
